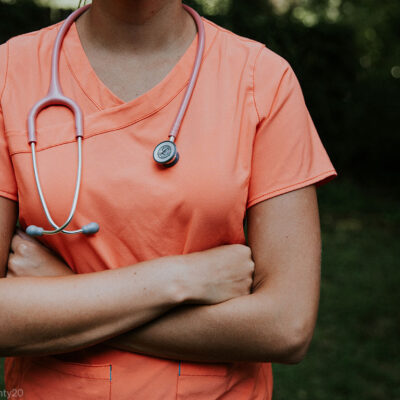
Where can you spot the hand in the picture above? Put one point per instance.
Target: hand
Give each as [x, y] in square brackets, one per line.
[220, 273]
[28, 257]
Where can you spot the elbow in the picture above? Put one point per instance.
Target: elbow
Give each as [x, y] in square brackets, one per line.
[296, 349]
[292, 343]
[8, 347]
[296, 343]
[12, 344]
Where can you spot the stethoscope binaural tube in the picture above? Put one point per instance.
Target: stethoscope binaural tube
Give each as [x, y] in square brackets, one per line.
[55, 96]
[164, 154]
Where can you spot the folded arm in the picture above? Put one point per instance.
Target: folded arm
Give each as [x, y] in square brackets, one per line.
[49, 315]
[275, 322]
[45, 309]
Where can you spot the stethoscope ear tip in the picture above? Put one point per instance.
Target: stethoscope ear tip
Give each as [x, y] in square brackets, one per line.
[33, 230]
[91, 228]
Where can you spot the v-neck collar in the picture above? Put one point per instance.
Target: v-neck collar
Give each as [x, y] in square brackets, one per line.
[146, 104]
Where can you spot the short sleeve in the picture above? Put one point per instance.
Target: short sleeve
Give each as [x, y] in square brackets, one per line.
[287, 151]
[8, 185]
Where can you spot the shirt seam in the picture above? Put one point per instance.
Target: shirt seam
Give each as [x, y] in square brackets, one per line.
[47, 28]
[289, 186]
[236, 36]
[254, 84]
[89, 135]
[78, 81]
[38, 31]
[6, 72]
[9, 195]
[67, 56]
[276, 92]
[204, 374]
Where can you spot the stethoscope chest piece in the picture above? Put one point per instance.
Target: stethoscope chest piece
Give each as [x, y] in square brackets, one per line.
[165, 154]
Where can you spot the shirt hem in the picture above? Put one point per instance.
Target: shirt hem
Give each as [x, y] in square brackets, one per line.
[8, 195]
[319, 180]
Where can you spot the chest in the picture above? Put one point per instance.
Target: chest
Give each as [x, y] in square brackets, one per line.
[121, 179]
[129, 75]
[143, 210]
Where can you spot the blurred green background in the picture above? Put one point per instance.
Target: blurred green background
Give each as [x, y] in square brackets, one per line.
[346, 55]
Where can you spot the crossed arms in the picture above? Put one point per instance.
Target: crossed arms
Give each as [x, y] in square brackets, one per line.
[274, 321]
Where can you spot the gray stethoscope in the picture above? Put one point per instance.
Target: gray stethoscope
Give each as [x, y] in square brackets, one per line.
[165, 153]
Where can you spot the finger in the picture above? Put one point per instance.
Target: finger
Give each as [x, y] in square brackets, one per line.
[17, 266]
[18, 244]
[12, 262]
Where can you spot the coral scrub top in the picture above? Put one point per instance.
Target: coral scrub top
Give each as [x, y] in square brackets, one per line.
[247, 136]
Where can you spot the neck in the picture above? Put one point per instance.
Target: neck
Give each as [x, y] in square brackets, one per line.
[136, 25]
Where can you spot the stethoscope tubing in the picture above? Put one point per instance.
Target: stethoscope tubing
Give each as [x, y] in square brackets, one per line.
[55, 96]
[165, 153]
[195, 72]
[76, 193]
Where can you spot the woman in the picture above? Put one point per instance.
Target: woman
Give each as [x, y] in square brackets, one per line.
[166, 301]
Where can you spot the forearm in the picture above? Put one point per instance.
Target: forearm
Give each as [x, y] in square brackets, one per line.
[208, 277]
[48, 315]
[275, 322]
[246, 328]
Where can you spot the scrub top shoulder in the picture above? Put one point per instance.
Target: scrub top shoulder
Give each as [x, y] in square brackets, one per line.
[247, 136]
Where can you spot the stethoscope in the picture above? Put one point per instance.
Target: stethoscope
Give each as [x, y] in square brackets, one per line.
[165, 153]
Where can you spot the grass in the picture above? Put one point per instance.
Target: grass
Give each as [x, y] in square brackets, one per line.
[355, 351]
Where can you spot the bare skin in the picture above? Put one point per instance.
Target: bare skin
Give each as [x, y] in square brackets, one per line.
[273, 323]
[152, 37]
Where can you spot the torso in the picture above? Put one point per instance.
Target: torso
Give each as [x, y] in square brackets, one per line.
[144, 211]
